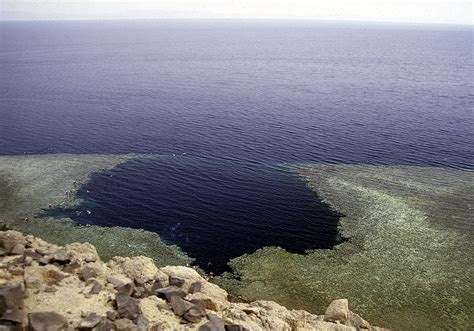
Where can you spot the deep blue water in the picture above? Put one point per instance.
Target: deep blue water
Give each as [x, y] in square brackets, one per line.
[238, 98]
[214, 209]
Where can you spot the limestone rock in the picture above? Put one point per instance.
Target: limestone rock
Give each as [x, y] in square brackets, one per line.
[28, 261]
[357, 321]
[203, 301]
[157, 312]
[16, 270]
[92, 270]
[214, 292]
[9, 239]
[76, 252]
[72, 267]
[161, 278]
[338, 310]
[139, 268]
[39, 276]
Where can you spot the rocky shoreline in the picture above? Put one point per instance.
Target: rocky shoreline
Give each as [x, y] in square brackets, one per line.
[48, 287]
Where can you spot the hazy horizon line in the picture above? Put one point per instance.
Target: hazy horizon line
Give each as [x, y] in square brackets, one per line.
[237, 19]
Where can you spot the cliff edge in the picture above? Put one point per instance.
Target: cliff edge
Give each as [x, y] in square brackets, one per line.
[48, 287]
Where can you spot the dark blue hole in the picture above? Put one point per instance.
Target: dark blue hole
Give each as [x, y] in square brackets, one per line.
[214, 210]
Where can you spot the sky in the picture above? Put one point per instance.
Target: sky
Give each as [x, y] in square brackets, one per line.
[410, 11]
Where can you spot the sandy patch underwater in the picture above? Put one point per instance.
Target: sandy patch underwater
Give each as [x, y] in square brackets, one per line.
[409, 258]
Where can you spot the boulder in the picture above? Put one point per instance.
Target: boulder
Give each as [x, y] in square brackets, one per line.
[195, 287]
[124, 324]
[44, 260]
[12, 314]
[11, 302]
[215, 324]
[179, 305]
[39, 276]
[111, 315]
[72, 267]
[170, 291]
[338, 310]
[121, 283]
[12, 295]
[139, 292]
[96, 288]
[175, 281]
[157, 284]
[142, 323]
[30, 252]
[357, 321]
[28, 261]
[46, 321]
[54, 275]
[162, 278]
[194, 315]
[127, 306]
[89, 322]
[45, 250]
[19, 249]
[92, 270]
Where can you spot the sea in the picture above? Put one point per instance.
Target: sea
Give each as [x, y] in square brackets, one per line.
[228, 106]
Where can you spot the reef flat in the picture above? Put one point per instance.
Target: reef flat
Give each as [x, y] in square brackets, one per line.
[34, 186]
[408, 257]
